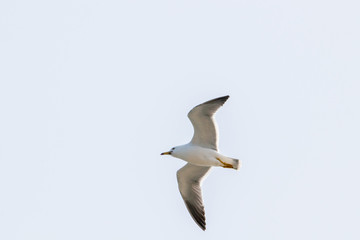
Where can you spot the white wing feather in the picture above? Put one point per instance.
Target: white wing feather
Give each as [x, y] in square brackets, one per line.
[189, 179]
[203, 121]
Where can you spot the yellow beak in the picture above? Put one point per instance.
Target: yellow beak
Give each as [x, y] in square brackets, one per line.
[166, 153]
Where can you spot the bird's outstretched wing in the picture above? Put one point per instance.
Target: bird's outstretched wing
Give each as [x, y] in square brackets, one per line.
[189, 179]
[205, 127]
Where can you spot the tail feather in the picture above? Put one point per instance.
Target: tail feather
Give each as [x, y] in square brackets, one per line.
[236, 163]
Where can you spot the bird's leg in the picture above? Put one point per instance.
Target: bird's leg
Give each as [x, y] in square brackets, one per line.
[225, 165]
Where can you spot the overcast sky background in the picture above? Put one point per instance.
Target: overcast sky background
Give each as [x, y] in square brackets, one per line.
[91, 92]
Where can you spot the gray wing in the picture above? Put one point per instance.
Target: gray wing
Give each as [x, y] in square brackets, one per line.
[202, 119]
[189, 179]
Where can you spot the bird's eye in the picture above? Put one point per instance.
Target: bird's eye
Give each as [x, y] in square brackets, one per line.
[172, 148]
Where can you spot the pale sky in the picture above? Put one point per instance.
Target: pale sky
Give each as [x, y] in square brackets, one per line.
[91, 92]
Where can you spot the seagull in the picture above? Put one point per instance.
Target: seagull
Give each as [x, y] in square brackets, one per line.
[201, 153]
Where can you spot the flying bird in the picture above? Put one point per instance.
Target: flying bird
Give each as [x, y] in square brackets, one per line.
[201, 153]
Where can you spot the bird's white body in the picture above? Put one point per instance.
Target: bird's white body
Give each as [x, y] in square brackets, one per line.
[201, 156]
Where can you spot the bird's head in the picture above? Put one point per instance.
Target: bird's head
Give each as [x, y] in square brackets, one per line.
[169, 152]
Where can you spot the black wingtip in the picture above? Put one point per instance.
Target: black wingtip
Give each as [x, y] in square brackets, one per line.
[203, 228]
[224, 97]
[219, 99]
[197, 214]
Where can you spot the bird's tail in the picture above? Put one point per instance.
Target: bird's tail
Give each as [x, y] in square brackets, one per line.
[228, 162]
[236, 163]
